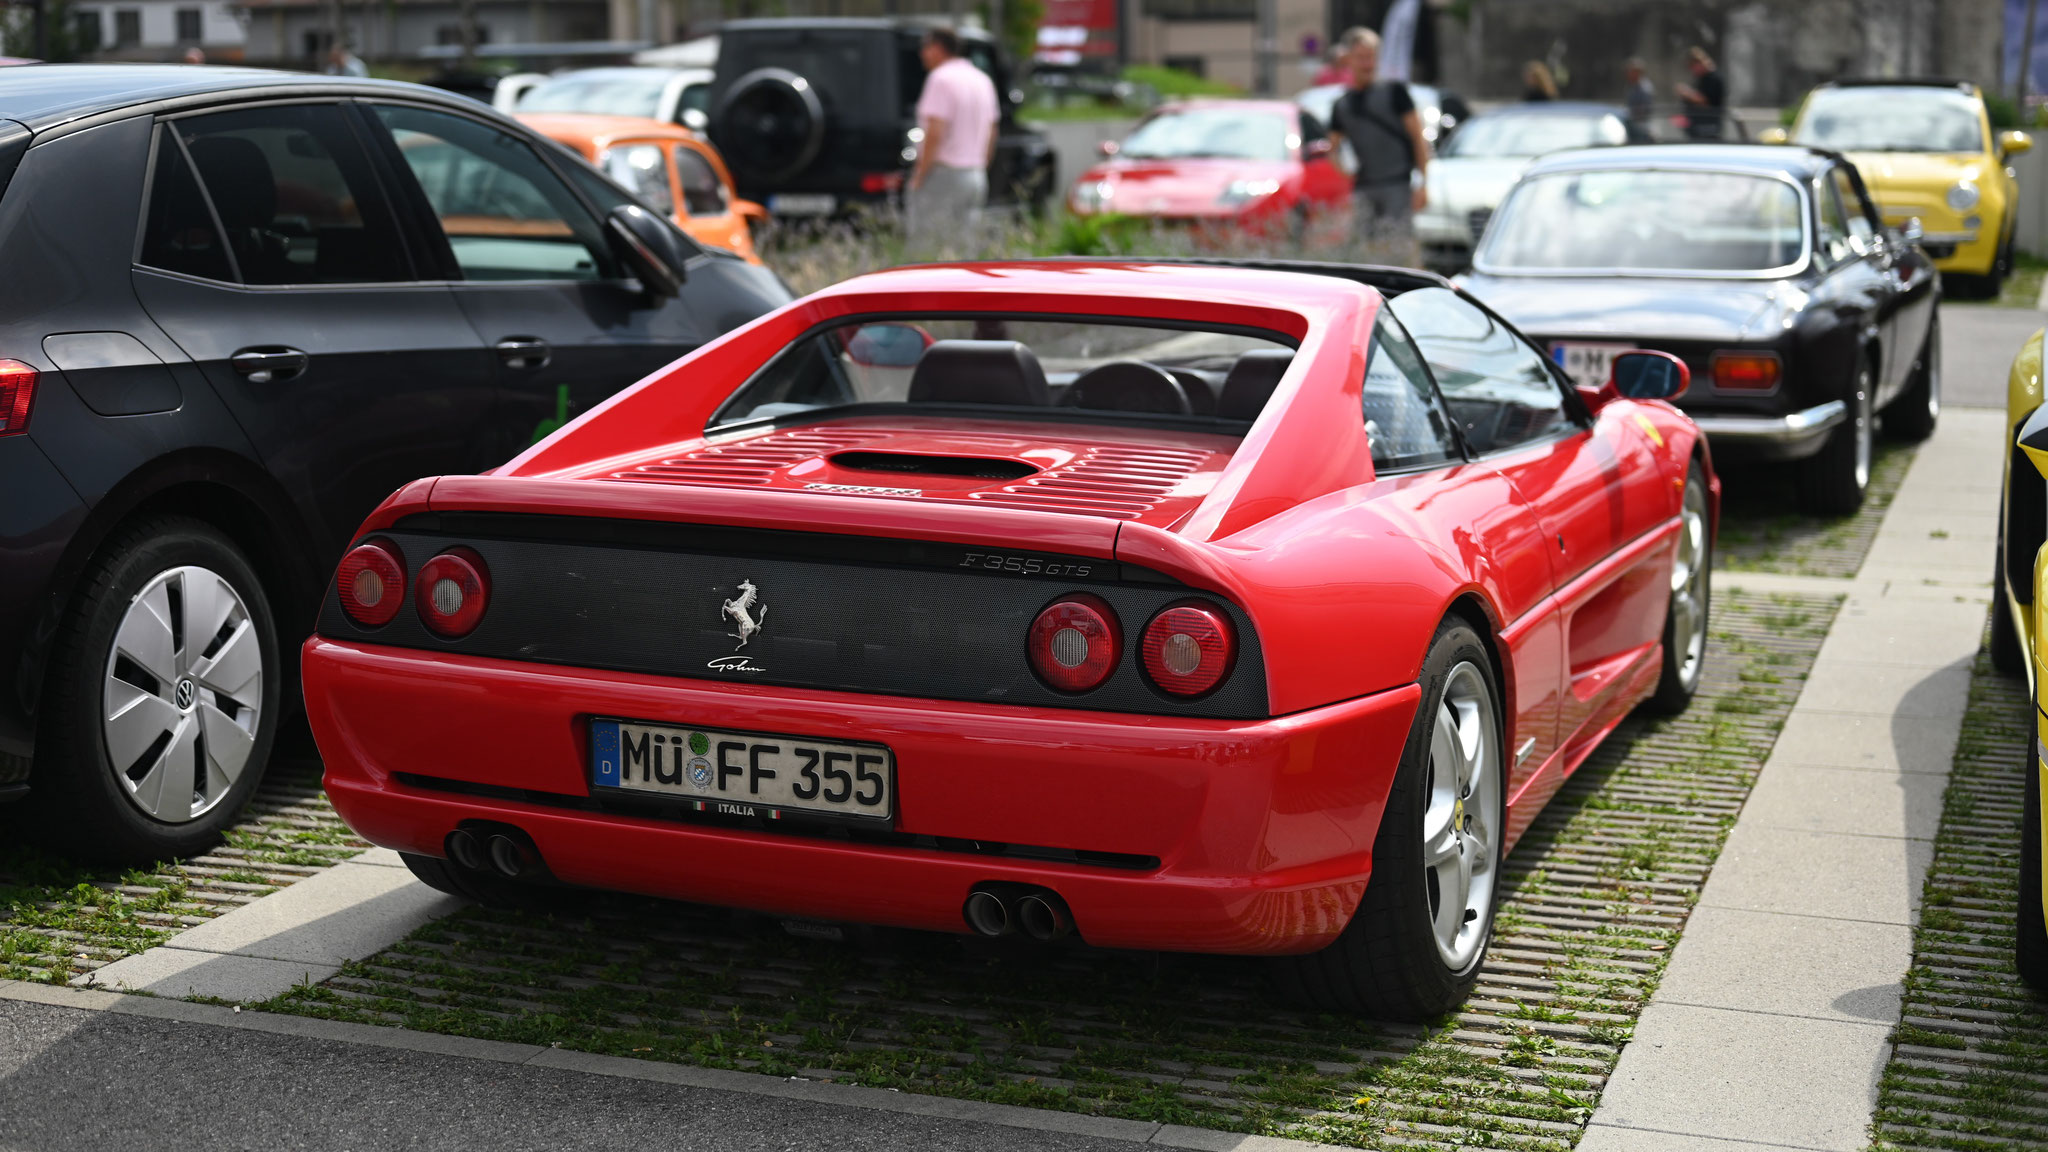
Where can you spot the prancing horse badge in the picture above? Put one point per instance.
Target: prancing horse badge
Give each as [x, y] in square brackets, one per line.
[748, 613]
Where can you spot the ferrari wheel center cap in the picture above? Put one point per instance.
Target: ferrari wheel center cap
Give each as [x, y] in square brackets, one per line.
[1458, 813]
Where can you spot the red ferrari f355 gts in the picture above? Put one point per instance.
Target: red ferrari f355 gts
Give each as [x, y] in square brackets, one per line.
[1207, 607]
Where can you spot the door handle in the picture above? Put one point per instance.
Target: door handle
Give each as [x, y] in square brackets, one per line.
[524, 352]
[268, 364]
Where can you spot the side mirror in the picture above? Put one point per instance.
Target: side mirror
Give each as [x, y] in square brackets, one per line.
[1318, 149]
[2014, 143]
[649, 248]
[750, 211]
[1108, 148]
[2033, 439]
[1642, 374]
[1774, 136]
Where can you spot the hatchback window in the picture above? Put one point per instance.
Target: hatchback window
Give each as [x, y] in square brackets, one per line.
[179, 234]
[703, 191]
[507, 216]
[1498, 389]
[293, 192]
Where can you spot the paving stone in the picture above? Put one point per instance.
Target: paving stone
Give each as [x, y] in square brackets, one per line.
[1789, 964]
[1871, 743]
[1845, 800]
[167, 971]
[1870, 878]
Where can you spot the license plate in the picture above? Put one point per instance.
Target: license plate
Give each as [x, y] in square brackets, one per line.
[1587, 364]
[744, 773]
[802, 203]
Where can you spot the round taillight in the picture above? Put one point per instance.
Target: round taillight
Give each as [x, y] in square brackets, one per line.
[451, 592]
[1187, 649]
[371, 583]
[1074, 644]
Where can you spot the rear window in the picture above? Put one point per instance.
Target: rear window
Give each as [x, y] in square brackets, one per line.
[1018, 367]
[1647, 220]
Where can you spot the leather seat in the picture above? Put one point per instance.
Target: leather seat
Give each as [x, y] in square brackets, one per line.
[238, 176]
[979, 372]
[1251, 382]
[1129, 386]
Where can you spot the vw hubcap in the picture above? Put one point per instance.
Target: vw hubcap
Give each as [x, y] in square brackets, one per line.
[1689, 589]
[1461, 827]
[183, 690]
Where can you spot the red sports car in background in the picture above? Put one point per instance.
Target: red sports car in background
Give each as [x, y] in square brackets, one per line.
[1262, 164]
[1201, 608]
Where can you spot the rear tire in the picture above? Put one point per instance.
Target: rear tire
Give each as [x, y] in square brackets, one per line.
[1413, 949]
[2030, 936]
[168, 663]
[1687, 612]
[1832, 482]
[1913, 415]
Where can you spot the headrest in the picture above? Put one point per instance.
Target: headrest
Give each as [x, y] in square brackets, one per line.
[979, 372]
[1201, 394]
[1128, 386]
[238, 175]
[1251, 383]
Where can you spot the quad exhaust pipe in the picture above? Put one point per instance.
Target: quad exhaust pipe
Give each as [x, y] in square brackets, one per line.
[1000, 909]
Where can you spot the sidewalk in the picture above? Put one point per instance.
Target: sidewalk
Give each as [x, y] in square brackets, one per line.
[1774, 1017]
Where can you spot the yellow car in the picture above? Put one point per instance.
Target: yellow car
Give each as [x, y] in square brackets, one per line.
[1926, 151]
[2019, 615]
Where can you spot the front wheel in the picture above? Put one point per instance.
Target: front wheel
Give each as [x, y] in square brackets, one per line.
[1913, 415]
[163, 697]
[1685, 621]
[1412, 950]
[1833, 481]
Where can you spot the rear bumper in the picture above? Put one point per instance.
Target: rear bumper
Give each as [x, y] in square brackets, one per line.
[1790, 437]
[1261, 830]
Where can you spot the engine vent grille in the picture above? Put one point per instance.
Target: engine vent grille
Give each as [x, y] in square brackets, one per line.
[747, 462]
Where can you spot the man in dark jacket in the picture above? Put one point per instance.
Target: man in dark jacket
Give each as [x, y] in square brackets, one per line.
[1377, 118]
[1706, 98]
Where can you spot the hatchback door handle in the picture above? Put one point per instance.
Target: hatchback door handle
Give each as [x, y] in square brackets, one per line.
[268, 364]
[524, 352]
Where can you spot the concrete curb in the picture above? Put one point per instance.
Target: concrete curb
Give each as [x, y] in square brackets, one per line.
[625, 1068]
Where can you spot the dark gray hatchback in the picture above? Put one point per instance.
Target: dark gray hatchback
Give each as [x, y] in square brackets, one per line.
[239, 309]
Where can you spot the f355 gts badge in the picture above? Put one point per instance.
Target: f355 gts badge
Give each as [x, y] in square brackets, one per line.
[747, 612]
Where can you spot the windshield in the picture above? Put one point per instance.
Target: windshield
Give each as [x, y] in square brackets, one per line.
[1524, 135]
[1891, 120]
[1010, 363]
[611, 94]
[1648, 220]
[1223, 133]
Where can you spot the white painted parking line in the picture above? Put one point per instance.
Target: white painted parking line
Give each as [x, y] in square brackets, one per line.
[1773, 1022]
[295, 935]
[842, 1095]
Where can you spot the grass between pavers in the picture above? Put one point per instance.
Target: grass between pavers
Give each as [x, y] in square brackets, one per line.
[60, 919]
[1594, 897]
[1969, 1066]
[1762, 529]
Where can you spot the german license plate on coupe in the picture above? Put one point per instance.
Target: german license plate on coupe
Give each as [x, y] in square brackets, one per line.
[744, 773]
[1586, 364]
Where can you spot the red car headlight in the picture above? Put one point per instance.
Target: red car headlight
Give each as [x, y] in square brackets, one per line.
[1075, 643]
[451, 592]
[371, 583]
[1188, 649]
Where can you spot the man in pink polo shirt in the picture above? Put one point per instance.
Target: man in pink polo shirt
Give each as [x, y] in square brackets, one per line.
[958, 113]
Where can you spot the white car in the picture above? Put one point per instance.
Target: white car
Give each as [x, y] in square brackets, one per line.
[674, 95]
[1476, 167]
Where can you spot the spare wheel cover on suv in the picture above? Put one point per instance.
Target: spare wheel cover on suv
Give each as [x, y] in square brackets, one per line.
[771, 124]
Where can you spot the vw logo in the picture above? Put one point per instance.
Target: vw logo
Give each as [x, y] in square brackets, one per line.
[186, 692]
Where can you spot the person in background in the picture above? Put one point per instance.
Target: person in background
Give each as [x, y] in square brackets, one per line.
[958, 113]
[342, 62]
[1334, 69]
[1377, 118]
[1641, 98]
[195, 55]
[1537, 83]
[1706, 98]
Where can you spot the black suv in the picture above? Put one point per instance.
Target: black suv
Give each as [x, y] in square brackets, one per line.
[815, 117]
[240, 309]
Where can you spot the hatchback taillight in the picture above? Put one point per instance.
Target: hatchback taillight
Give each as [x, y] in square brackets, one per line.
[1188, 649]
[1746, 371]
[1074, 644]
[451, 592]
[371, 583]
[17, 392]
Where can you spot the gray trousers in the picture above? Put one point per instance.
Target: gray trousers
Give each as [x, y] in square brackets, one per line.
[1383, 220]
[946, 207]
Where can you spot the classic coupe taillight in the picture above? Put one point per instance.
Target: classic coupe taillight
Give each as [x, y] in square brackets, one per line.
[1188, 649]
[451, 592]
[1075, 642]
[371, 583]
[17, 392]
[1746, 371]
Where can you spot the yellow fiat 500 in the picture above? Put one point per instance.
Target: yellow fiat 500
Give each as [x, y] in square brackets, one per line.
[2019, 622]
[1926, 151]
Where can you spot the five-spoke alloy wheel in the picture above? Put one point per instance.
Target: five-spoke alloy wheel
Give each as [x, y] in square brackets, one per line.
[1685, 621]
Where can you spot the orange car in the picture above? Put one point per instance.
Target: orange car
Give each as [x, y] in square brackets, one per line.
[667, 166]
